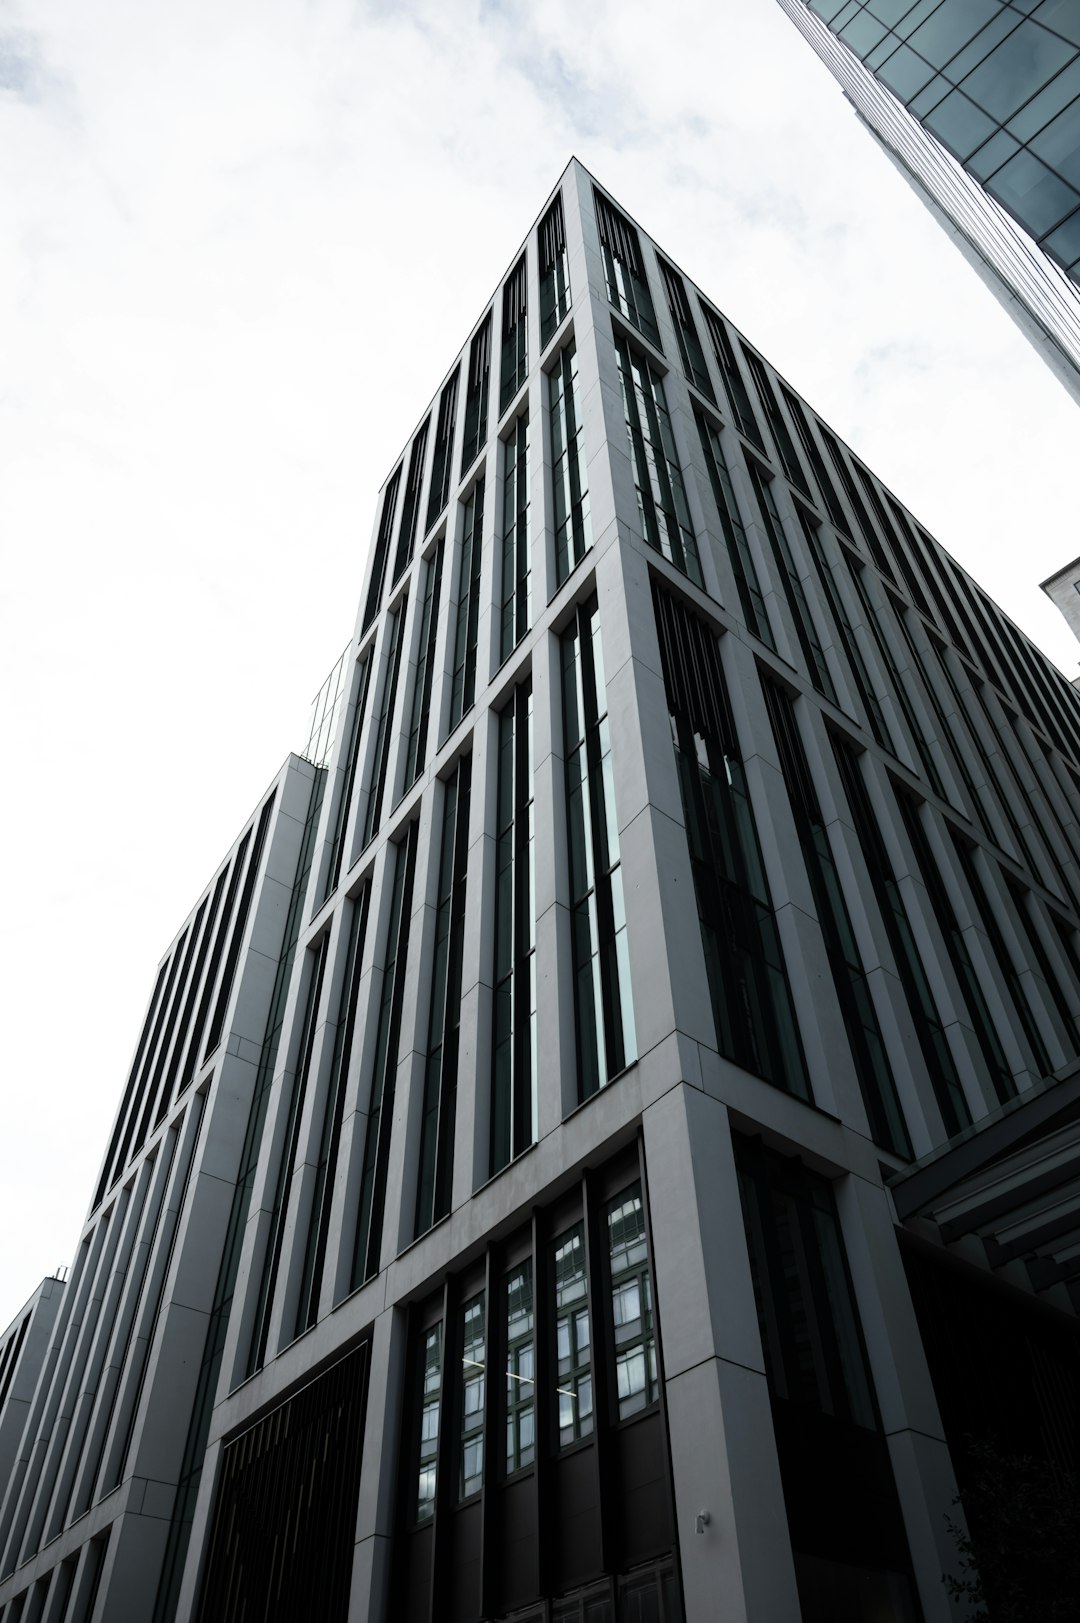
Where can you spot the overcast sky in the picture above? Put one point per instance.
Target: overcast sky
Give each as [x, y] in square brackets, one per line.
[240, 244]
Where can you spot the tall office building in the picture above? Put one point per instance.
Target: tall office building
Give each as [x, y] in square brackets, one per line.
[977, 102]
[605, 1139]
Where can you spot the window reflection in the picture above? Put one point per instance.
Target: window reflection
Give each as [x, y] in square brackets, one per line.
[752, 1005]
[514, 1103]
[516, 580]
[520, 1370]
[514, 335]
[1003, 81]
[569, 476]
[573, 1338]
[467, 614]
[472, 1397]
[624, 268]
[662, 505]
[554, 271]
[631, 1303]
[606, 1041]
[814, 1354]
[429, 1423]
[441, 468]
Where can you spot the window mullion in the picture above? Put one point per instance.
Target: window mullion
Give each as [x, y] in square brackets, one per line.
[571, 432]
[603, 1362]
[646, 496]
[605, 916]
[663, 478]
[545, 1407]
[444, 1164]
[521, 1104]
[494, 1410]
[449, 1424]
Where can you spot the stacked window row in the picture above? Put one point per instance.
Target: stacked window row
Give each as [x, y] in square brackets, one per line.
[68, 1592]
[754, 1014]
[531, 1377]
[989, 701]
[9, 1354]
[213, 1345]
[881, 635]
[513, 316]
[115, 1307]
[1001, 975]
[186, 1017]
[516, 1320]
[337, 967]
[87, 1411]
[825, 476]
[407, 652]
[838, 606]
[856, 636]
[847, 623]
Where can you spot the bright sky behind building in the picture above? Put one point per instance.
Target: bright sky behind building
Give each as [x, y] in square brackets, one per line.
[239, 247]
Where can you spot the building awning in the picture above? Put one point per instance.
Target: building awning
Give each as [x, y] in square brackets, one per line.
[1013, 1182]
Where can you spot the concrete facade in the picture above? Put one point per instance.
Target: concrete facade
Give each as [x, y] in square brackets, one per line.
[256, 1219]
[24, 1348]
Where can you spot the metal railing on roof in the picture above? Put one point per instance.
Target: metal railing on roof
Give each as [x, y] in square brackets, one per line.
[324, 713]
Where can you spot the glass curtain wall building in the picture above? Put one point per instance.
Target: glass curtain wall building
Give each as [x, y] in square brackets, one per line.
[977, 102]
[605, 1140]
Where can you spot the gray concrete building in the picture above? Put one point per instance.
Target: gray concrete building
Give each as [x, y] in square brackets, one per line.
[1063, 590]
[24, 1347]
[606, 1137]
[977, 103]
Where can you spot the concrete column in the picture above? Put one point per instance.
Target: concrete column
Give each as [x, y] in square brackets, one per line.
[376, 1510]
[909, 1413]
[723, 1453]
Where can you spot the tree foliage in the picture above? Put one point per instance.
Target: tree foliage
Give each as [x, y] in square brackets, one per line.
[1020, 1555]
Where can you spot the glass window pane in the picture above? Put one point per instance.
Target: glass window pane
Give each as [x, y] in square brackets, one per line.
[473, 1370]
[989, 158]
[662, 507]
[574, 1370]
[935, 90]
[1059, 93]
[950, 28]
[811, 1338]
[631, 1303]
[520, 1375]
[1060, 15]
[905, 73]
[514, 1105]
[862, 33]
[602, 1006]
[1059, 144]
[1033, 193]
[889, 11]
[431, 1391]
[1016, 68]
[960, 124]
[1064, 243]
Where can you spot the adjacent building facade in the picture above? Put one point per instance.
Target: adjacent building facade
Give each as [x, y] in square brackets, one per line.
[1063, 590]
[605, 1136]
[977, 102]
